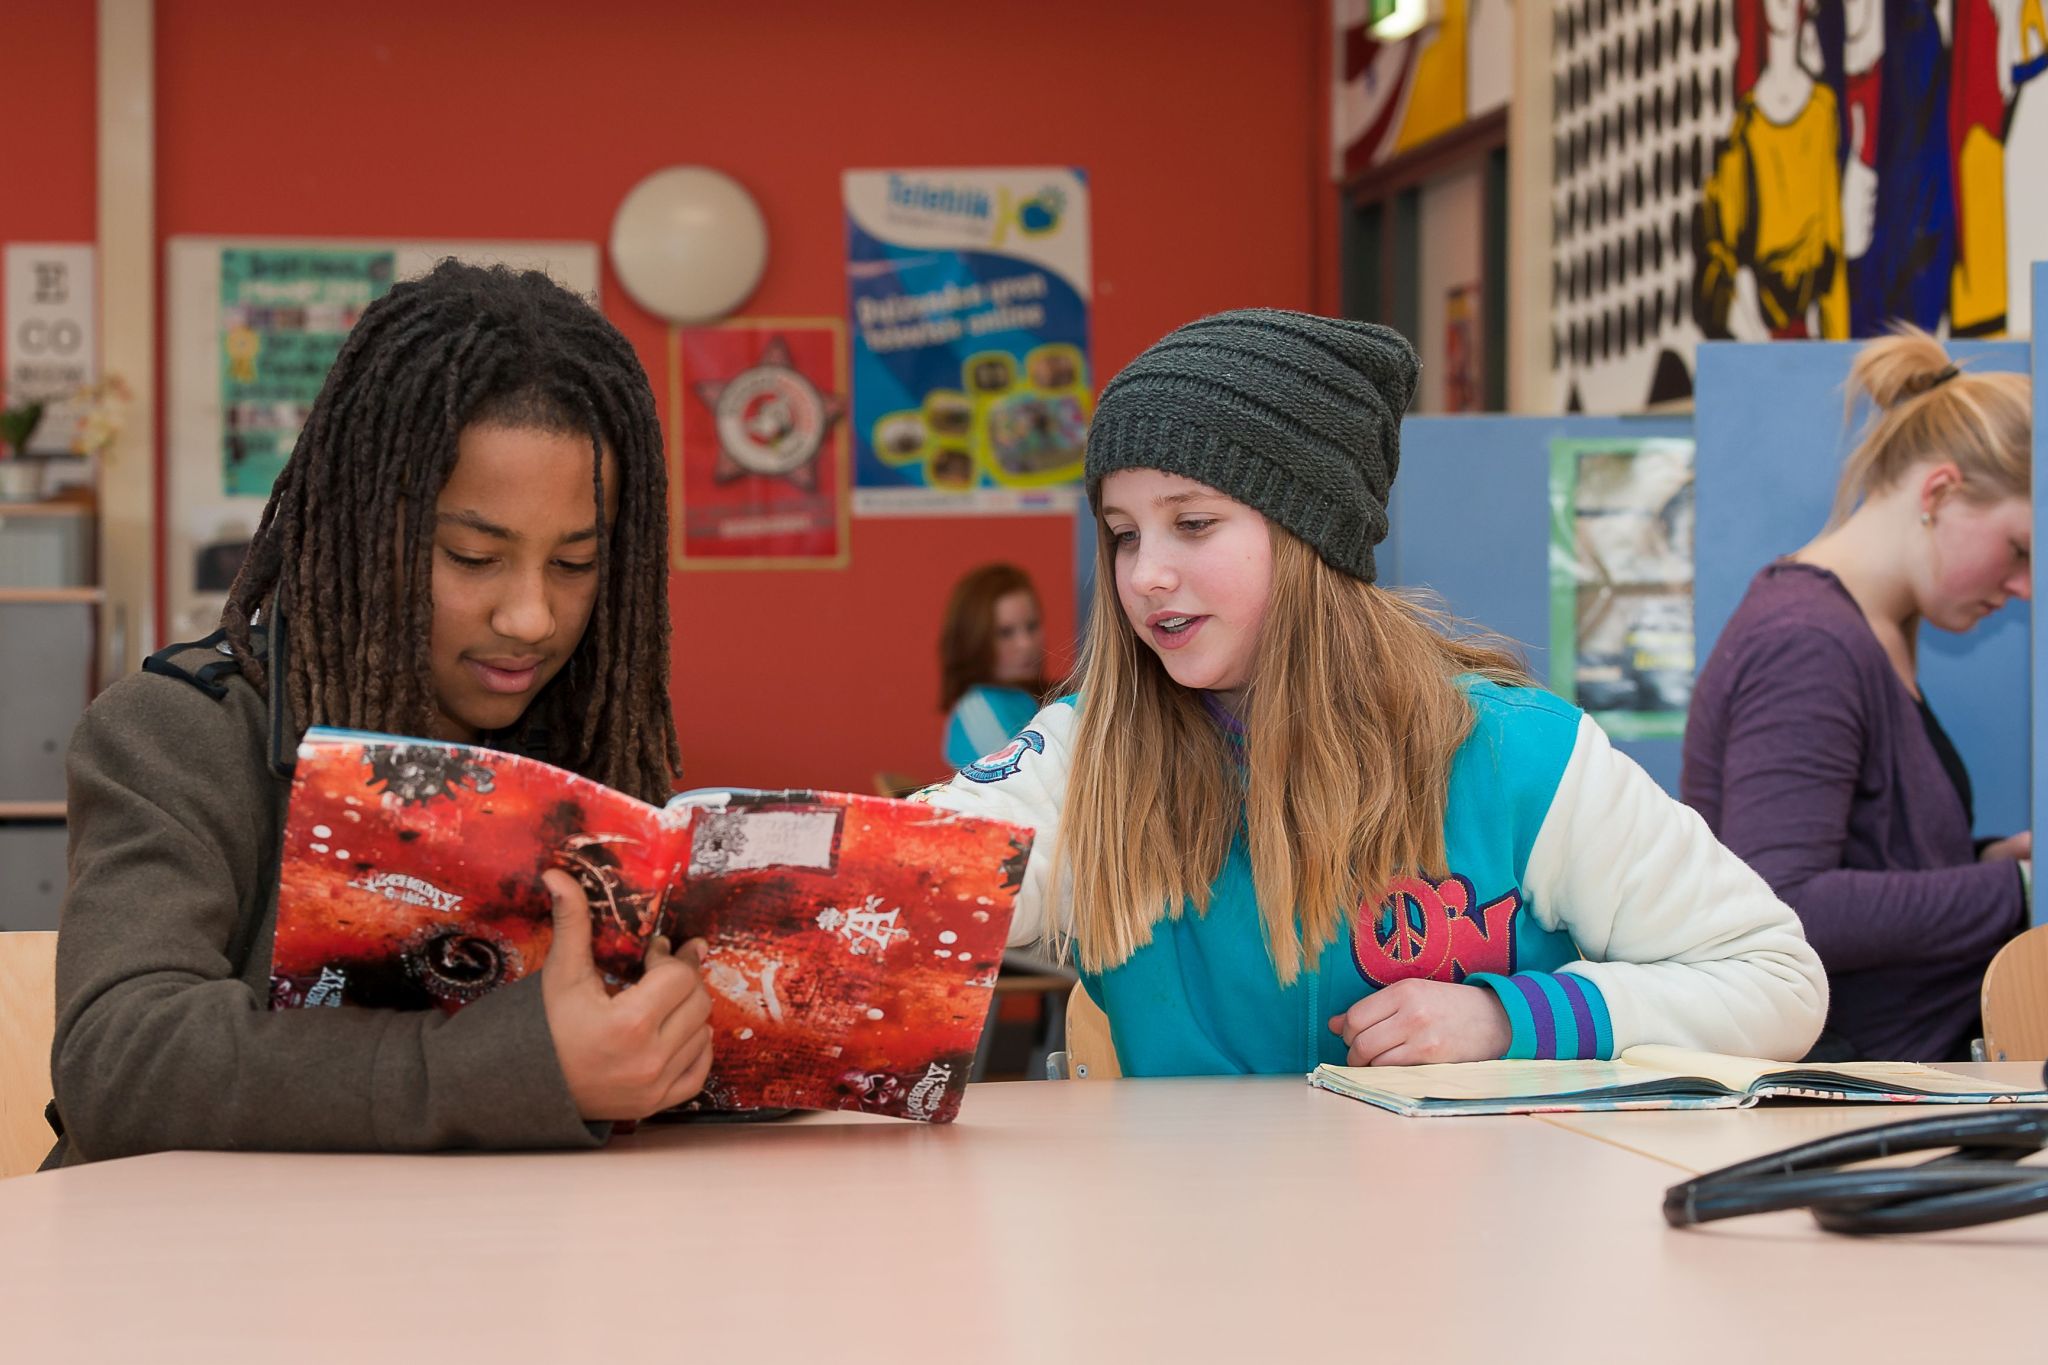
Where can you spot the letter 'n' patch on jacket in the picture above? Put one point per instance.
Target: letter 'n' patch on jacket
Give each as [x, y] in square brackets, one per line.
[1600, 911]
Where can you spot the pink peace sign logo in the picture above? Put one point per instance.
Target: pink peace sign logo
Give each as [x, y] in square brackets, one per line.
[1428, 929]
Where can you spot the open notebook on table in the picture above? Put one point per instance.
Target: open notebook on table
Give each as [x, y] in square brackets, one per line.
[1650, 1077]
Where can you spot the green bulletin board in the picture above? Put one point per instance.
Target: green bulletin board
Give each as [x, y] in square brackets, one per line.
[1621, 574]
[284, 312]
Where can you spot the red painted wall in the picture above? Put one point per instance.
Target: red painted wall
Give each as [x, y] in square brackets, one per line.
[49, 153]
[1198, 121]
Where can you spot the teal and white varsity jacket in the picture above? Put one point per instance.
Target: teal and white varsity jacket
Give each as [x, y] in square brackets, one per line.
[1599, 910]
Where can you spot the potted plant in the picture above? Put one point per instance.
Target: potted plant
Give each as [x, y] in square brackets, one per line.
[21, 479]
[105, 412]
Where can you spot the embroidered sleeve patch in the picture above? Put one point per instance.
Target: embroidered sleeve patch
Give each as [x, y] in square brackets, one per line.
[1005, 761]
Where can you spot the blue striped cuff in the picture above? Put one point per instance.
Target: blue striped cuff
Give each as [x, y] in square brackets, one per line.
[1553, 1015]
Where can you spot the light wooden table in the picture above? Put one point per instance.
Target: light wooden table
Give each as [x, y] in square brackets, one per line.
[1192, 1220]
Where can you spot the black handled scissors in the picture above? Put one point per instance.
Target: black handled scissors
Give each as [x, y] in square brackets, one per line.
[1979, 1182]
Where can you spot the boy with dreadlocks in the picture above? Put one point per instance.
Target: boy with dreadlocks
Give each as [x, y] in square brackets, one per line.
[469, 542]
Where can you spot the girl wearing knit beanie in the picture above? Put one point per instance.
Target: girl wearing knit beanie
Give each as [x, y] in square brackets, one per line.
[1287, 818]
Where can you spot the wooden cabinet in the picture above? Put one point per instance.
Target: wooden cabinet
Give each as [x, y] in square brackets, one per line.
[49, 670]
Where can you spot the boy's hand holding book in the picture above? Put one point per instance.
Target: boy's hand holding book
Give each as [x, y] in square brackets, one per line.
[633, 1054]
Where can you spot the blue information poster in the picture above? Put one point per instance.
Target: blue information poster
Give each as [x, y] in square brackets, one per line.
[968, 298]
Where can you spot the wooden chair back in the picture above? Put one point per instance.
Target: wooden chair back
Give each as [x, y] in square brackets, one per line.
[1091, 1055]
[890, 783]
[28, 1022]
[2015, 1000]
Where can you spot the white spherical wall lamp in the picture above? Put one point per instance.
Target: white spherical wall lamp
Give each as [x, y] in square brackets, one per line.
[689, 244]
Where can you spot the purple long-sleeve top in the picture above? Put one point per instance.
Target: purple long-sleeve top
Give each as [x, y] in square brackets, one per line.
[1808, 757]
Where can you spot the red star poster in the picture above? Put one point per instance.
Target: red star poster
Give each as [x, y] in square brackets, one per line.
[759, 474]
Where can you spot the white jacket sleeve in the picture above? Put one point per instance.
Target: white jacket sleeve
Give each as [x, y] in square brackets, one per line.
[1025, 783]
[1687, 945]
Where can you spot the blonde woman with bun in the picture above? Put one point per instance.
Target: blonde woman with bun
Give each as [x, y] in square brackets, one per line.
[1810, 748]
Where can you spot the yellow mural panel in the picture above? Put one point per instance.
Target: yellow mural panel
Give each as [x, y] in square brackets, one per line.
[1789, 237]
[1436, 98]
[1977, 296]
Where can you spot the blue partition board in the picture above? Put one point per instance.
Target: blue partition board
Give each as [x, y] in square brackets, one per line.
[1471, 523]
[1771, 443]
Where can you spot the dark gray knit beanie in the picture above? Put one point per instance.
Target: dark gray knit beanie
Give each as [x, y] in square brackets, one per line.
[1294, 414]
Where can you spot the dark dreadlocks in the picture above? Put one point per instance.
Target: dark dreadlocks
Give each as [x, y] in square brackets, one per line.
[459, 346]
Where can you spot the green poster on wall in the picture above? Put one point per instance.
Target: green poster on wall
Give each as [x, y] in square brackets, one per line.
[283, 316]
[1621, 572]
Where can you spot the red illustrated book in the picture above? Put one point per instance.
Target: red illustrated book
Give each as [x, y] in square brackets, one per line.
[853, 942]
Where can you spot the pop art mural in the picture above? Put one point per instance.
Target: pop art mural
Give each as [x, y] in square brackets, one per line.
[1752, 169]
[1391, 98]
[1746, 169]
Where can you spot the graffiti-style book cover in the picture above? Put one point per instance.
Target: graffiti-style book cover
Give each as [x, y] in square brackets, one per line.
[853, 941]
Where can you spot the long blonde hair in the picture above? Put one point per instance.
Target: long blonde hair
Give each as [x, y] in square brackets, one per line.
[1924, 408]
[1352, 716]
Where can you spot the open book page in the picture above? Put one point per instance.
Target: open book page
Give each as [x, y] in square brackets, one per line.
[1735, 1073]
[409, 876]
[852, 947]
[1492, 1080]
[1648, 1077]
[1912, 1078]
[1755, 1074]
